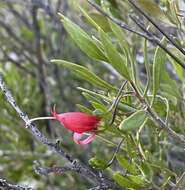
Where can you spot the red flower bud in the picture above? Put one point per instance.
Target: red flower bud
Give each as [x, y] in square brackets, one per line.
[79, 123]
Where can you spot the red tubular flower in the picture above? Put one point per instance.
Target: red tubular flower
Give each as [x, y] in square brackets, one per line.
[78, 123]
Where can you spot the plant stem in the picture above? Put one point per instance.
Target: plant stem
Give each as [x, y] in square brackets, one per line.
[80, 168]
[159, 122]
[41, 118]
[156, 26]
[179, 182]
[149, 36]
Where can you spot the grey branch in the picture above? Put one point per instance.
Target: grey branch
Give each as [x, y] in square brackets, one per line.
[133, 3]
[6, 185]
[47, 170]
[158, 121]
[80, 168]
[150, 37]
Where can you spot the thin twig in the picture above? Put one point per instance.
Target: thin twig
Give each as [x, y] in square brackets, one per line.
[41, 74]
[118, 22]
[156, 41]
[157, 26]
[6, 185]
[117, 96]
[159, 122]
[99, 188]
[115, 153]
[150, 38]
[179, 182]
[81, 169]
[116, 102]
[47, 170]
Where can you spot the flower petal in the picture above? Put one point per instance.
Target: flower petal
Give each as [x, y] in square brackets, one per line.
[77, 136]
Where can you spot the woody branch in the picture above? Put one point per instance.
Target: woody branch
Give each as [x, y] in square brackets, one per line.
[83, 170]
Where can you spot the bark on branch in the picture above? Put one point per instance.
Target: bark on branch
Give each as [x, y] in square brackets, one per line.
[8, 186]
[83, 170]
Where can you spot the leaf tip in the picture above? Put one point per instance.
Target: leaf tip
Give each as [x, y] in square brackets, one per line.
[61, 16]
[54, 60]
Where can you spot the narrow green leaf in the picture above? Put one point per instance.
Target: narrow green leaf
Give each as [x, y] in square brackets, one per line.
[170, 90]
[88, 18]
[160, 166]
[82, 108]
[125, 182]
[172, 85]
[97, 163]
[118, 32]
[82, 39]
[84, 73]
[151, 8]
[125, 46]
[177, 67]
[158, 66]
[121, 106]
[101, 21]
[96, 20]
[90, 97]
[172, 99]
[161, 105]
[138, 179]
[134, 121]
[131, 167]
[99, 106]
[114, 57]
[147, 67]
[173, 12]
[146, 170]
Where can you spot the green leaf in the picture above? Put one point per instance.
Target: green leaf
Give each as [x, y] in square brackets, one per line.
[161, 106]
[169, 85]
[84, 73]
[99, 106]
[90, 97]
[147, 67]
[125, 46]
[158, 66]
[119, 33]
[131, 167]
[82, 39]
[82, 108]
[125, 181]
[151, 8]
[88, 18]
[173, 12]
[121, 106]
[167, 88]
[97, 163]
[177, 67]
[96, 20]
[134, 121]
[172, 99]
[114, 57]
[101, 21]
[138, 179]
[146, 170]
